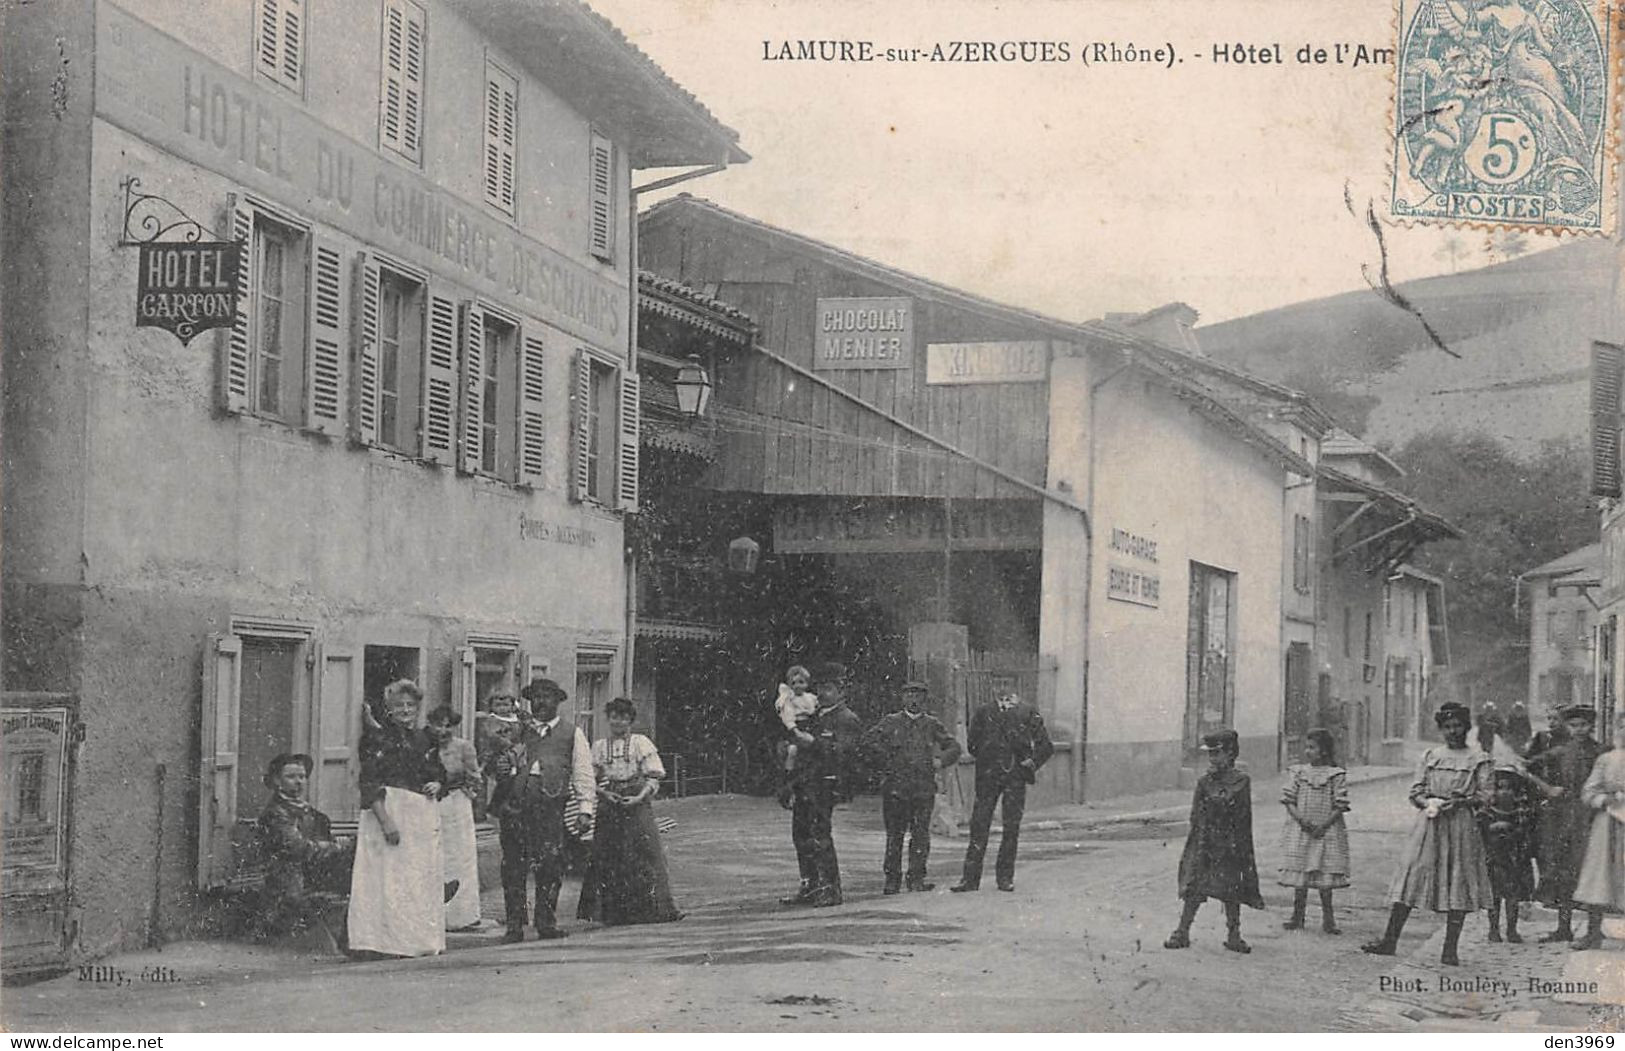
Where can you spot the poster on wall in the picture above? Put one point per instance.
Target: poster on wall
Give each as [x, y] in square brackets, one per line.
[875, 332]
[33, 754]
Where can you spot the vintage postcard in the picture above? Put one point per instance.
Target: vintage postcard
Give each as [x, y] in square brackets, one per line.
[735, 516]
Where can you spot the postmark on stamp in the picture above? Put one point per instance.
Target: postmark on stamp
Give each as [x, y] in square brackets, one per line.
[1504, 111]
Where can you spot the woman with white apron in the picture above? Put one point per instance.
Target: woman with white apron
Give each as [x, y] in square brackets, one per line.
[397, 894]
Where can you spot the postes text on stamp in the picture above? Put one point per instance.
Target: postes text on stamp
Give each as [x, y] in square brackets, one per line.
[1503, 114]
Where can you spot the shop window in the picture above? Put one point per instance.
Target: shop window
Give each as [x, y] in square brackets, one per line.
[601, 197]
[501, 136]
[607, 411]
[400, 110]
[279, 42]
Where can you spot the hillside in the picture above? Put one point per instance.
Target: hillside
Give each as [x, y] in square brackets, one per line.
[1523, 330]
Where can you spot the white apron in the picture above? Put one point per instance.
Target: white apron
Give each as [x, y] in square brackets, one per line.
[396, 892]
[460, 862]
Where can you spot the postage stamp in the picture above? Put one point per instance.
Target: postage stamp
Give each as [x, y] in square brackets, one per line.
[1504, 114]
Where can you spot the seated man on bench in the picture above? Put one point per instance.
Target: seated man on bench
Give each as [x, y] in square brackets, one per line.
[307, 871]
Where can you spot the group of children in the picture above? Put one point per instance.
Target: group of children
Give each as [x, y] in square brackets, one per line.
[1486, 816]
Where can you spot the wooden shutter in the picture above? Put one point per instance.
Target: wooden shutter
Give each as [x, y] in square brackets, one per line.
[473, 386]
[217, 759]
[236, 345]
[601, 211]
[501, 136]
[1607, 374]
[626, 455]
[532, 423]
[528, 669]
[364, 376]
[279, 41]
[463, 689]
[325, 382]
[336, 782]
[438, 427]
[400, 96]
[580, 410]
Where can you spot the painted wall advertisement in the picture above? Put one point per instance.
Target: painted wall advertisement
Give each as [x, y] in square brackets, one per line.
[33, 755]
[866, 333]
[1017, 362]
[1131, 574]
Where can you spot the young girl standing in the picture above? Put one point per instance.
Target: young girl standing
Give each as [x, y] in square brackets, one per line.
[1315, 841]
[1218, 860]
[1443, 865]
[1506, 824]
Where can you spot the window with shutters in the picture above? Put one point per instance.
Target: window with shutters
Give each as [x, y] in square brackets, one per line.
[489, 415]
[400, 95]
[605, 406]
[1607, 378]
[266, 347]
[601, 198]
[1300, 553]
[501, 136]
[279, 42]
[400, 357]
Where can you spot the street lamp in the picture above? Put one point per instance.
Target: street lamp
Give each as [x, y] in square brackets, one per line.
[693, 388]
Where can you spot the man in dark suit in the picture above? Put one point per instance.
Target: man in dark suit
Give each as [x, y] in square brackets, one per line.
[307, 870]
[550, 764]
[822, 768]
[1010, 743]
[908, 748]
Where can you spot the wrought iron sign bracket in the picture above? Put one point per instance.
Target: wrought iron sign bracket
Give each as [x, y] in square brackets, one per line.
[155, 218]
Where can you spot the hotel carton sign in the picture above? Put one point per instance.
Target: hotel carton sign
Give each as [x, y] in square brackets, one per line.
[867, 333]
[187, 288]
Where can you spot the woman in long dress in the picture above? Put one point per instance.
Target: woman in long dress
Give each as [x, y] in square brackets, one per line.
[457, 846]
[396, 890]
[1602, 873]
[628, 863]
[1443, 865]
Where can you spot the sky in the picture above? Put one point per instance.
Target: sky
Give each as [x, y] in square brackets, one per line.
[1068, 188]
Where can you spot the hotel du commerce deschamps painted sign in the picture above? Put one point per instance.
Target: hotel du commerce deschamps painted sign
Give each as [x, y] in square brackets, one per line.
[159, 89]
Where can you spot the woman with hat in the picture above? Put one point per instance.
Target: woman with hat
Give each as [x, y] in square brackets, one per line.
[1602, 874]
[1565, 820]
[1443, 865]
[1218, 859]
[628, 862]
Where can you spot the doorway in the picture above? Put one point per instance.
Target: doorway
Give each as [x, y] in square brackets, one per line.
[383, 665]
[1299, 714]
[1209, 675]
[265, 712]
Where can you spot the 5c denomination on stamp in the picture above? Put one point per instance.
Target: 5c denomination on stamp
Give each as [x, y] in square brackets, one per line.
[1503, 116]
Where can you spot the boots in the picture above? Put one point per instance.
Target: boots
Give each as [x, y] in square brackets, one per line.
[1452, 936]
[1593, 935]
[1512, 923]
[1564, 932]
[1328, 920]
[1300, 902]
[1495, 920]
[1390, 938]
[1232, 924]
[1181, 938]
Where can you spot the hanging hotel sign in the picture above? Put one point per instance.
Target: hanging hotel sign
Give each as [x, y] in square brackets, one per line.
[889, 526]
[1018, 362]
[187, 288]
[184, 284]
[867, 333]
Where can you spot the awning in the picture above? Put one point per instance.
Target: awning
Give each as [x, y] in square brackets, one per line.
[685, 631]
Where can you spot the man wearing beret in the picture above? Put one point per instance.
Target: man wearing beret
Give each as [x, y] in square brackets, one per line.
[821, 770]
[907, 748]
[1010, 743]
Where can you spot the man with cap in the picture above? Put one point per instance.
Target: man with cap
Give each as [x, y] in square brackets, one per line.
[1565, 820]
[307, 870]
[907, 748]
[550, 765]
[818, 783]
[1010, 743]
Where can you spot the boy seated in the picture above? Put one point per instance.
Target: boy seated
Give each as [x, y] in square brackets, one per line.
[307, 870]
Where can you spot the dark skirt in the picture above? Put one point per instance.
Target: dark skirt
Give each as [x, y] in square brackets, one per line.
[629, 867]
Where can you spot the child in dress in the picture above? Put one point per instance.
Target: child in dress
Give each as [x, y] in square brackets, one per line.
[1506, 825]
[795, 704]
[1443, 865]
[1602, 872]
[1218, 859]
[1315, 841]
